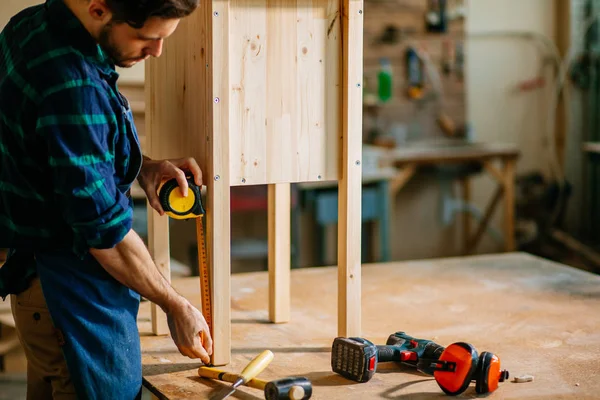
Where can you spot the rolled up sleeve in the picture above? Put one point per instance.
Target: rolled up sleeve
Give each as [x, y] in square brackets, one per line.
[79, 128]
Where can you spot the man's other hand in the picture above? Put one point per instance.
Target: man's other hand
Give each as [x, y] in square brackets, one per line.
[154, 172]
[189, 331]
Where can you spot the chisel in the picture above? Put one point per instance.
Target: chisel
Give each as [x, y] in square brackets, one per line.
[255, 367]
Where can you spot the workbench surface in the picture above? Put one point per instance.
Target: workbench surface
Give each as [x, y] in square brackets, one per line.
[539, 317]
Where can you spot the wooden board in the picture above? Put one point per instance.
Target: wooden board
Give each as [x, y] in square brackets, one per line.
[279, 259]
[459, 153]
[177, 118]
[284, 77]
[539, 317]
[591, 147]
[350, 186]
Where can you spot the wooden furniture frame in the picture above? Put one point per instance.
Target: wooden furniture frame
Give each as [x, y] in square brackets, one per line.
[408, 161]
[262, 92]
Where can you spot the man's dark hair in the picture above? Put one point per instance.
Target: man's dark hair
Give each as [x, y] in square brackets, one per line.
[137, 12]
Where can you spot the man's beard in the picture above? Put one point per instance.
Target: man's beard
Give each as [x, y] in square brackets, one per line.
[111, 50]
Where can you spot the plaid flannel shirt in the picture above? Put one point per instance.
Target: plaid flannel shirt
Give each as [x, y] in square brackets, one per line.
[68, 147]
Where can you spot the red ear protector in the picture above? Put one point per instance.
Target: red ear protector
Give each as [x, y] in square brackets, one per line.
[459, 364]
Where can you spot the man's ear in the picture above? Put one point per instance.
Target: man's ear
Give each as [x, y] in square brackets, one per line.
[99, 11]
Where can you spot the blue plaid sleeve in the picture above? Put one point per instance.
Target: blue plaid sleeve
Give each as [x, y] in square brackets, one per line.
[79, 128]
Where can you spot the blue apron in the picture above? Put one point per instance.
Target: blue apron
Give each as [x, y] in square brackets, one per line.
[96, 314]
[97, 318]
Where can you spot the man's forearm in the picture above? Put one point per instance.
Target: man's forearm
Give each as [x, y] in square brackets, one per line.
[130, 263]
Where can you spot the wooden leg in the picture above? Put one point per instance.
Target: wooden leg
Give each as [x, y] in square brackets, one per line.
[384, 221]
[350, 184]
[466, 217]
[349, 256]
[404, 175]
[279, 252]
[219, 264]
[509, 204]
[158, 245]
[486, 218]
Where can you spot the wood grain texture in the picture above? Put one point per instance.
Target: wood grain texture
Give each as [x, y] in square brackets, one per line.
[284, 71]
[218, 207]
[177, 113]
[537, 316]
[178, 86]
[158, 246]
[350, 185]
[187, 111]
[279, 252]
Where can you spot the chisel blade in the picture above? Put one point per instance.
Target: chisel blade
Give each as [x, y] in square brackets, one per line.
[223, 393]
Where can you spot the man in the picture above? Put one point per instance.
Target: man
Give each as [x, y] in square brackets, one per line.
[68, 155]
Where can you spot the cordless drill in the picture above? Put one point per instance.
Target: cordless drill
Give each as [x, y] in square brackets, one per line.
[357, 358]
[453, 368]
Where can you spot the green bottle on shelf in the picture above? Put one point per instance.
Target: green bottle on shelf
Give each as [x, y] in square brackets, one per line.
[384, 80]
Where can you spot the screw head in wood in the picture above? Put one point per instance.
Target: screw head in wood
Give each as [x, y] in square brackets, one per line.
[217, 99]
[360, 11]
[243, 180]
[357, 162]
[217, 177]
[319, 177]
[358, 85]
[216, 13]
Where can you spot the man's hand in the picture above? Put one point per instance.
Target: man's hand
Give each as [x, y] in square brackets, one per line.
[189, 331]
[154, 172]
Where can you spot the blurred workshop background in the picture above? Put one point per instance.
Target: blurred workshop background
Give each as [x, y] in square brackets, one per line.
[481, 135]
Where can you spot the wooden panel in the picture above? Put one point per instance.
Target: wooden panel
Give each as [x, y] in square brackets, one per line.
[349, 225]
[279, 252]
[285, 96]
[179, 101]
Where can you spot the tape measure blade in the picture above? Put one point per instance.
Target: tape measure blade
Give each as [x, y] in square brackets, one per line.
[204, 275]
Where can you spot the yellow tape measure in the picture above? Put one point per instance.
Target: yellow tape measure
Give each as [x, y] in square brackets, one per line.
[178, 207]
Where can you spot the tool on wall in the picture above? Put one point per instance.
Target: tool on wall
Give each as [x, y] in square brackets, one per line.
[415, 74]
[385, 85]
[447, 57]
[453, 367]
[292, 388]
[436, 17]
[254, 367]
[178, 207]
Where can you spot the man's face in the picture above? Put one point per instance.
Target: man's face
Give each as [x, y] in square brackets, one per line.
[127, 46]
